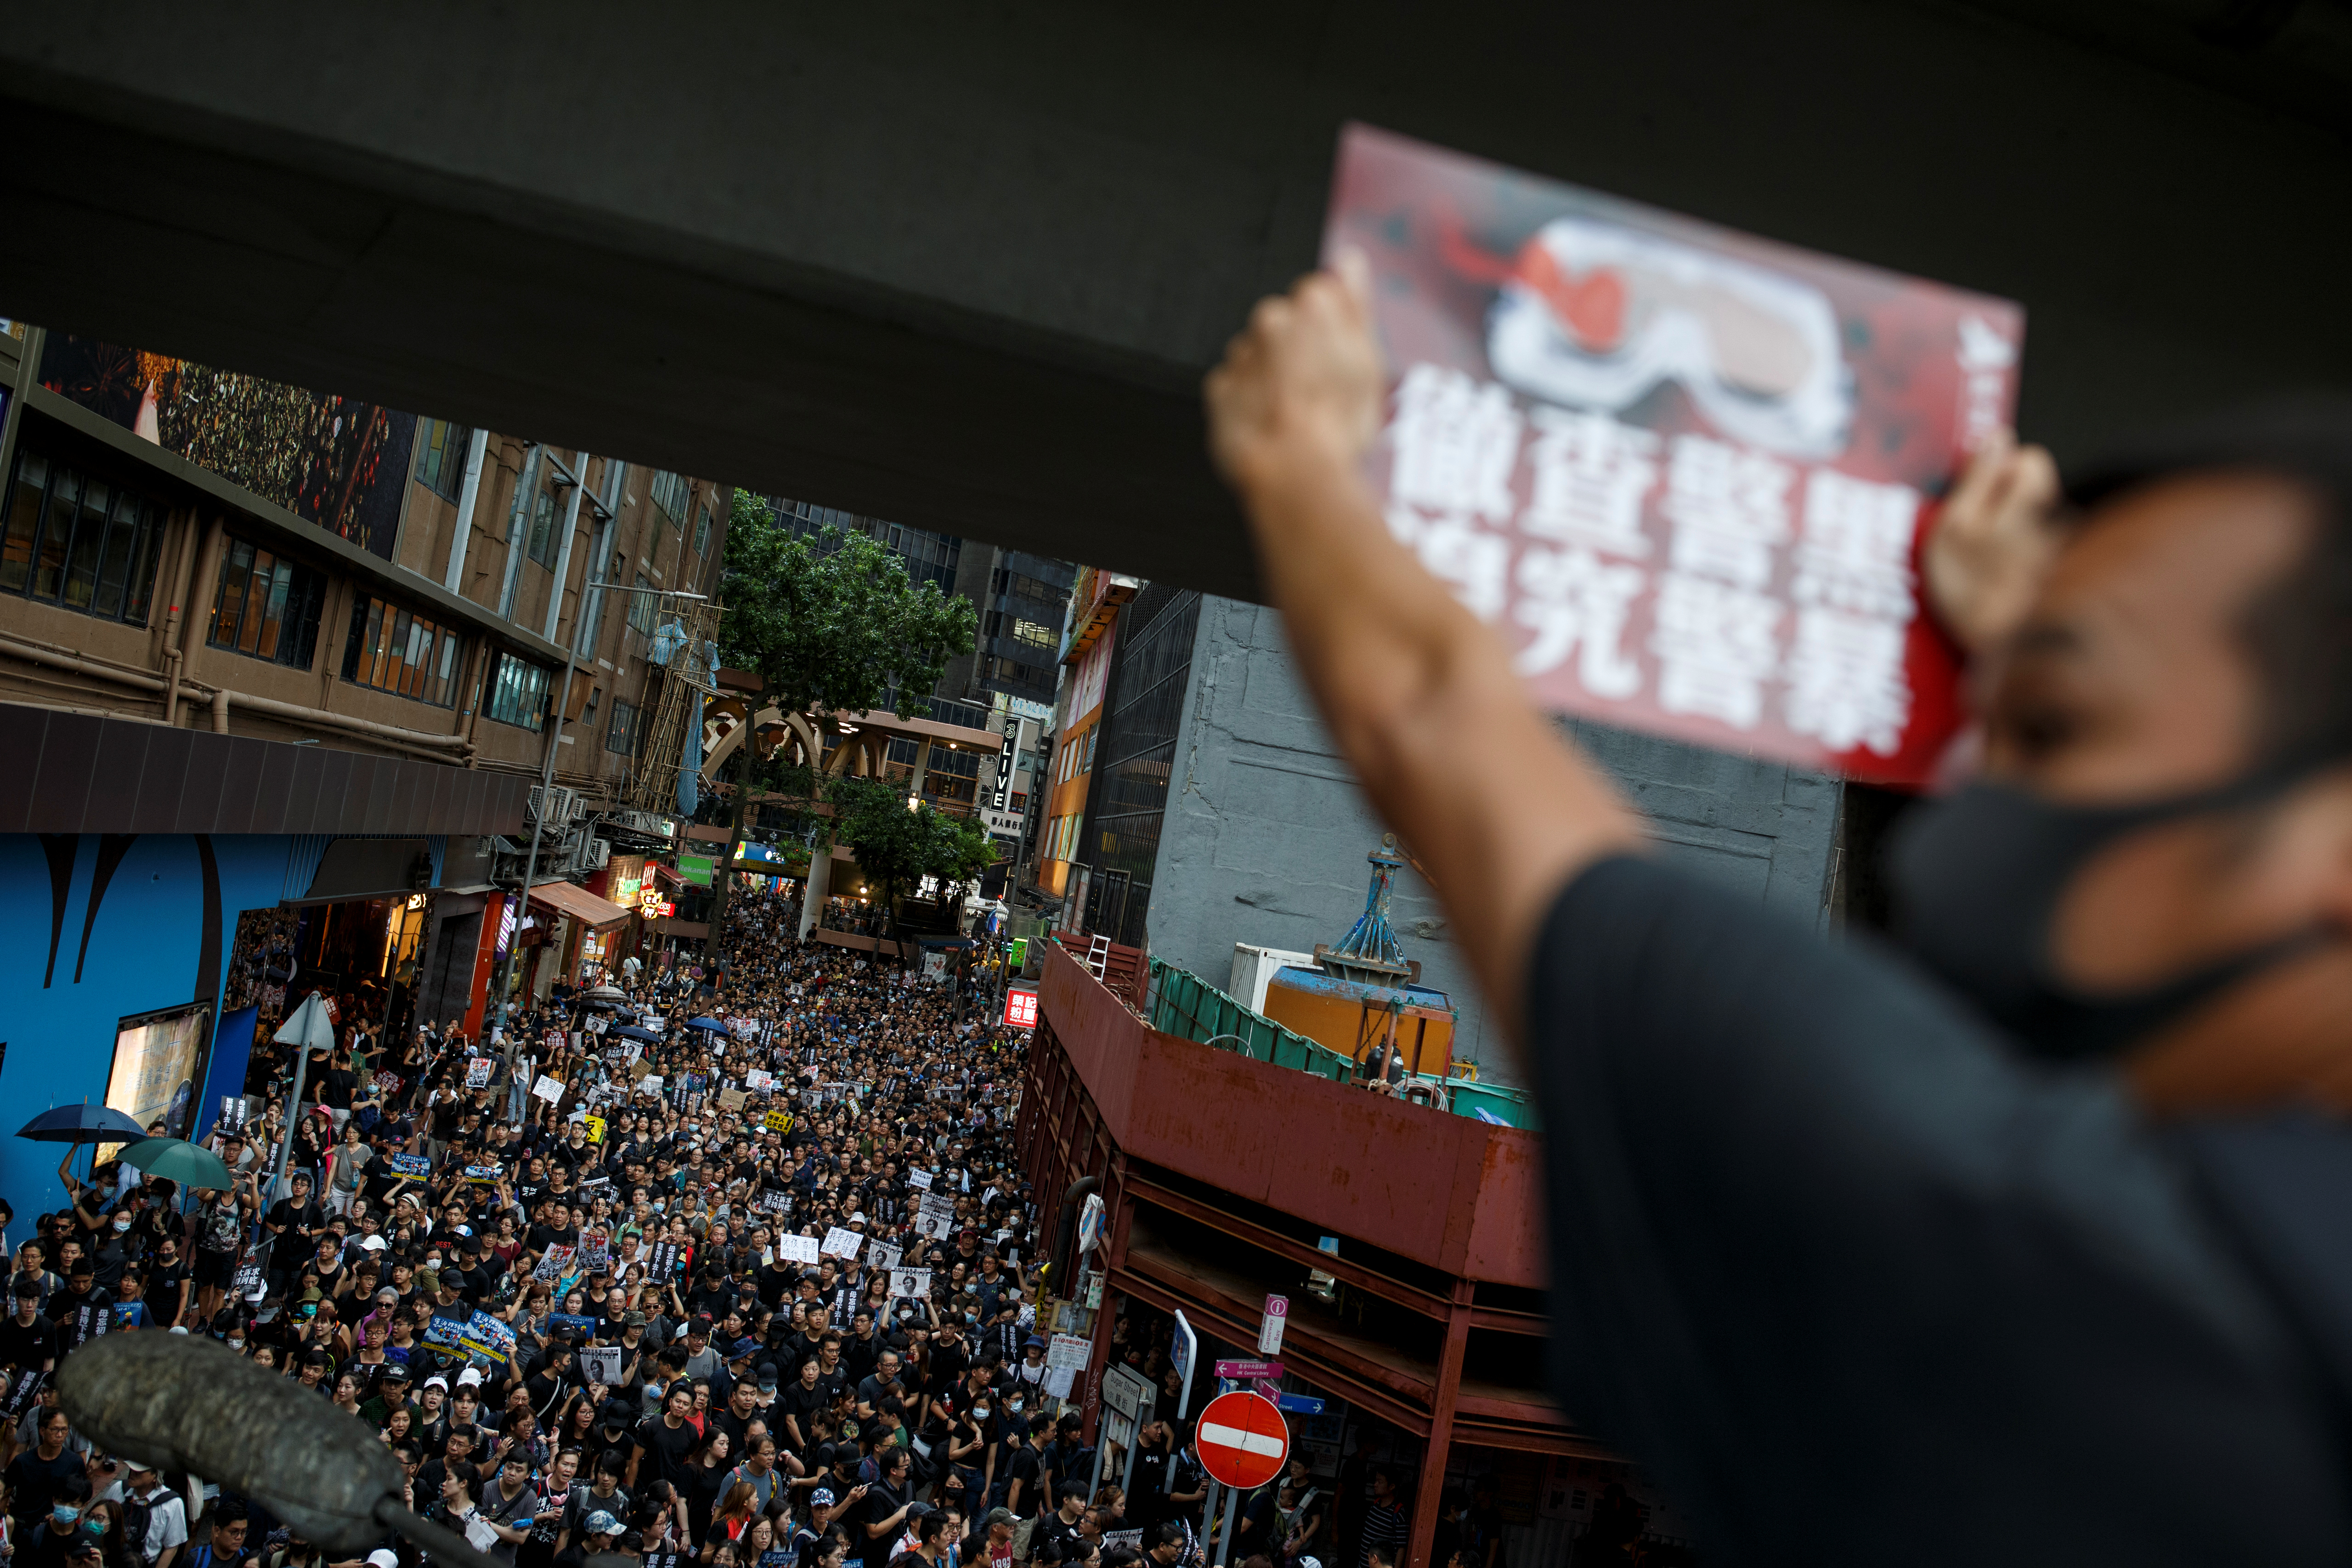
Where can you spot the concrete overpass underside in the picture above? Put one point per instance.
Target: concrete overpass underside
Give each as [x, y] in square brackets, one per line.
[962, 266]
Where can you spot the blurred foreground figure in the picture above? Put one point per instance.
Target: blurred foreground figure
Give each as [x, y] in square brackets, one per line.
[2029, 1243]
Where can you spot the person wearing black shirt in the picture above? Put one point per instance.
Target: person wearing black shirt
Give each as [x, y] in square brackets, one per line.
[28, 1340]
[2064, 1159]
[293, 1223]
[886, 1505]
[797, 1405]
[79, 1310]
[668, 1438]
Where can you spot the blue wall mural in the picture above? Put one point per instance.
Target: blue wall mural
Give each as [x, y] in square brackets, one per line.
[103, 926]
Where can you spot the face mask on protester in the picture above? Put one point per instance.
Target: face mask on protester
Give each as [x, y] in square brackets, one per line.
[1978, 878]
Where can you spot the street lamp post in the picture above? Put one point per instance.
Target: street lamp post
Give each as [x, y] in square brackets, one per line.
[546, 788]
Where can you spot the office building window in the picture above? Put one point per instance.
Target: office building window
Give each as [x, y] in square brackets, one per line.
[670, 492]
[441, 456]
[518, 693]
[542, 545]
[641, 606]
[399, 651]
[623, 736]
[79, 544]
[267, 607]
[701, 530]
[588, 714]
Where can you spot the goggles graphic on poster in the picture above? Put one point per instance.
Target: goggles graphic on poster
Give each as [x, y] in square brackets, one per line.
[1685, 472]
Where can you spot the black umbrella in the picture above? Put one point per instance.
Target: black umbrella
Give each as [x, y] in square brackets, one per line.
[82, 1124]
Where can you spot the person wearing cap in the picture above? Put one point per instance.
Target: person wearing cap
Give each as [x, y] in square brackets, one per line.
[154, 1517]
[996, 1541]
[390, 1393]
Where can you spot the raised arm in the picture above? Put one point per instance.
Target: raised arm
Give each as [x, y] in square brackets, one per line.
[1419, 695]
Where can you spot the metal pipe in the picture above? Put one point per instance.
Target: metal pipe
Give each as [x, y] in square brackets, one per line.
[419, 738]
[221, 698]
[29, 371]
[526, 497]
[469, 496]
[206, 562]
[564, 549]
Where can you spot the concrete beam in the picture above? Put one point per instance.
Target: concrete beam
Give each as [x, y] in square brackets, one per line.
[961, 267]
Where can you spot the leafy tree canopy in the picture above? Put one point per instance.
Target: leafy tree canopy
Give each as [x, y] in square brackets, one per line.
[832, 625]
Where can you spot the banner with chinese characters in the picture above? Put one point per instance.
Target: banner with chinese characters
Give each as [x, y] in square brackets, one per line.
[1685, 472]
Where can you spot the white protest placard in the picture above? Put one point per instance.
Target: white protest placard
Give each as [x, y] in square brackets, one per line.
[840, 1243]
[601, 1364]
[911, 1284]
[478, 1071]
[548, 1088]
[1068, 1353]
[797, 1248]
[554, 1263]
[759, 1080]
[881, 1255]
[919, 1180]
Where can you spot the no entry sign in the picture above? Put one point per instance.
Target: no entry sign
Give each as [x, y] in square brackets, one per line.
[1242, 1440]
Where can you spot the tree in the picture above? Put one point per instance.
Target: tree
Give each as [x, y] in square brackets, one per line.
[897, 845]
[830, 626]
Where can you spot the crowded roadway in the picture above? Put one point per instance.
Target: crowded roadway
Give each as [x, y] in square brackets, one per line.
[729, 1269]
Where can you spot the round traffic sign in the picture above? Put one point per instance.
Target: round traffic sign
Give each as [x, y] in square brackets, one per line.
[1242, 1440]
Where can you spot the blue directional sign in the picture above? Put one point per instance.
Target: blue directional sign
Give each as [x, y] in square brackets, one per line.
[1298, 1404]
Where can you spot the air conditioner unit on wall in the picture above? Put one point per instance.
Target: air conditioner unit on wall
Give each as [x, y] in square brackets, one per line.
[595, 854]
[557, 807]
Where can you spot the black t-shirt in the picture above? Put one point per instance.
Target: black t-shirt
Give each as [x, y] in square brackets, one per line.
[1810, 1215]
[1024, 1469]
[27, 1345]
[667, 1450]
[801, 1402]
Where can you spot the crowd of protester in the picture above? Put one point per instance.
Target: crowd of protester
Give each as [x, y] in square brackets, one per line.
[445, 1243]
[621, 1282]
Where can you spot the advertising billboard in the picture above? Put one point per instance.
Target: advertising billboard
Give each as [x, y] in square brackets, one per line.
[1685, 472]
[158, 1061]
[335, 462]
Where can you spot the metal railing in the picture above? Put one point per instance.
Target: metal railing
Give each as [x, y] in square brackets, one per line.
[1178, 1002]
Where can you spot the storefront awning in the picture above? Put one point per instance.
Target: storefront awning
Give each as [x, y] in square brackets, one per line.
[581, 905]
[668, 874]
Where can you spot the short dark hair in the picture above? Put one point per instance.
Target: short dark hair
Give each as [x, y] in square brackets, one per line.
[2298, 628]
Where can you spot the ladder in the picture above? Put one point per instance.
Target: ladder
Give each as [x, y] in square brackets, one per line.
[653, 784]
[1098, 956]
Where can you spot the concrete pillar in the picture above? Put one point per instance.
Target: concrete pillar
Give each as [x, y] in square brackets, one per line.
[819, 886]
[922, 765]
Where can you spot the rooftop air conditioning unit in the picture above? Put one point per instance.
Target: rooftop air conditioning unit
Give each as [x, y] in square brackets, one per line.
[595, 854]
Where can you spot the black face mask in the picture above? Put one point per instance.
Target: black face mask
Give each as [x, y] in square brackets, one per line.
[1977, 878]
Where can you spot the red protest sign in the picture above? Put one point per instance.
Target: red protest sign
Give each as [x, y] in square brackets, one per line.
[1683, 470]
[1242, 1440]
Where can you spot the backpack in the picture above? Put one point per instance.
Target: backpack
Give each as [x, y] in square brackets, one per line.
[137, 1513]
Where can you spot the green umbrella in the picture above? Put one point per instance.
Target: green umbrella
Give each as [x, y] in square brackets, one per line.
[177, 1160]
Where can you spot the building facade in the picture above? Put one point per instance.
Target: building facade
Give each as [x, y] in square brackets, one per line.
[285, 671]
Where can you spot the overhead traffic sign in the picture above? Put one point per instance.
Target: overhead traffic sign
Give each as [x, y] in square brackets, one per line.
[1242, 1440]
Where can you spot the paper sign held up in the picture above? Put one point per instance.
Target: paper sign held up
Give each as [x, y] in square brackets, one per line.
[1681, 471]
